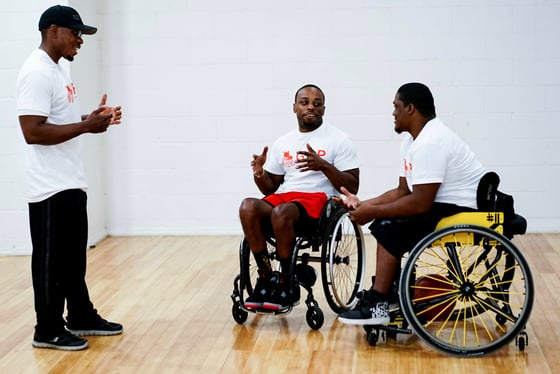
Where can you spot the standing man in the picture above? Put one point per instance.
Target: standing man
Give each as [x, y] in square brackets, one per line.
[302, 170]
[439, 177]
[50, 119]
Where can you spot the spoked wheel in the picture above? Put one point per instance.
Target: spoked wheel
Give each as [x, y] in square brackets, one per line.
[466, 290]
[342, 262]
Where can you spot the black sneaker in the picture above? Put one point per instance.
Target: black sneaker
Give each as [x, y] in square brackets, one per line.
[98, 326]
[393, 299]
[280, 298]
[370, 310]
[64, 341]
[261, 292]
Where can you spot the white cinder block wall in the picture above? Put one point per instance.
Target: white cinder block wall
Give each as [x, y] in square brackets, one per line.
[205, 84]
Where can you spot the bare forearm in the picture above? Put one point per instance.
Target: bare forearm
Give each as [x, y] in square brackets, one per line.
[399, 202]
[49, 134]
[267, 183]
[36, 130]
[385, 197]
[403, 207]
[350, 179]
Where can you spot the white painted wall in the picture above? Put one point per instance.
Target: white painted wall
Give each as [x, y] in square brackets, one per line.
[205, 84]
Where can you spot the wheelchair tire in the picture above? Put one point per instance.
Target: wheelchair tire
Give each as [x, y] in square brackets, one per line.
[248, 267]
[342, 262]
[315, 317]
[488, 284]
[239, 315]
[247, 271]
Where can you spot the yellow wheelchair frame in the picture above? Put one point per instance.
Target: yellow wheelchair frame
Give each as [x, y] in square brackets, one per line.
[486, 290]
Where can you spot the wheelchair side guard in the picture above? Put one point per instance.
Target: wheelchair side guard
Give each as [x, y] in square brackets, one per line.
[329, 210]
[491, 220]
[497, 221]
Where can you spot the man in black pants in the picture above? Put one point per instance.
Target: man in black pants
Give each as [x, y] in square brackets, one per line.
[50, 119]
[439, 176]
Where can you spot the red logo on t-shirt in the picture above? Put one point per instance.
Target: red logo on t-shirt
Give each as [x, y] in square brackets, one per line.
[407, 167]
[287, 160]
[71, 92]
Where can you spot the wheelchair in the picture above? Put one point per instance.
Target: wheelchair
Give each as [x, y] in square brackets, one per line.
[336, 243]
[466, 289]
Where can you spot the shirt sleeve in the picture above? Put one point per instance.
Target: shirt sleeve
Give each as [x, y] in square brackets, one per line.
[34, 95]
[347, 156]
[429, 164]
[273, 165]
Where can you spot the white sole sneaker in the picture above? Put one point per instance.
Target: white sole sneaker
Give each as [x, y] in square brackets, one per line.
[365, 321]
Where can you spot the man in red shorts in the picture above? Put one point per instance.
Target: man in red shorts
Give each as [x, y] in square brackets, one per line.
[297, 176]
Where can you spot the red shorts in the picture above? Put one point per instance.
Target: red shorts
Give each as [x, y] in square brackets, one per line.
[312, 202]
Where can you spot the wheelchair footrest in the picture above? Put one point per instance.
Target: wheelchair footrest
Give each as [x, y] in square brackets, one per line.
[396, 330]
[267, 311]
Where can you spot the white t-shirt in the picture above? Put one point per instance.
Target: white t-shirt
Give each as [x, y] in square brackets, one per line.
[44, 88]
[330, 143]
[438, 155]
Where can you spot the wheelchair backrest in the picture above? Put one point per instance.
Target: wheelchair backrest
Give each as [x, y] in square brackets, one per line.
[495, 210]
[486, 192]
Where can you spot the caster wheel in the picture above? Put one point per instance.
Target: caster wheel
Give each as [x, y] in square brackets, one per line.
[239, 315]
[521, 344]
[521, 341]
[372, 338]
[315, 317]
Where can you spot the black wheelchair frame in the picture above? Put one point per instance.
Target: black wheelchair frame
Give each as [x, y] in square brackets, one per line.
[336, 243]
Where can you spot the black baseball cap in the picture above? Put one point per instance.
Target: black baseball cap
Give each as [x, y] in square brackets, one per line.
[64, 16]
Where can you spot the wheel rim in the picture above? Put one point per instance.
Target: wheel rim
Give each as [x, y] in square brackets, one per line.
[343, 264]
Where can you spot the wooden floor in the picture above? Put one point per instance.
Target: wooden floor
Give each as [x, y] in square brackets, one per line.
[172, 294]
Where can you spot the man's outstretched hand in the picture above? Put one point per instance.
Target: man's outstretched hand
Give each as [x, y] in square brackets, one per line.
[348, 199]
[116, 113]
[258, 161]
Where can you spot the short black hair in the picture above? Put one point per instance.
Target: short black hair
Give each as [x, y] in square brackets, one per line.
[312, 86]
[419, 95]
